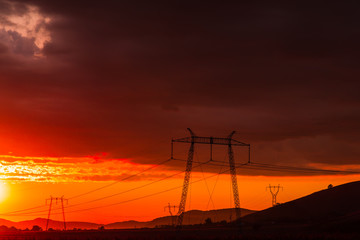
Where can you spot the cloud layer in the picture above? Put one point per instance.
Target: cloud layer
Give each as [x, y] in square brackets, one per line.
[124, 78]
[37, 169]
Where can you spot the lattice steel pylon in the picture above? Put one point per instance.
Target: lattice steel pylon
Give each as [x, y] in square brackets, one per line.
[169, 207]
[189, 163]
[229, 141]
[233, 178]
[62, 200]
[274, 190]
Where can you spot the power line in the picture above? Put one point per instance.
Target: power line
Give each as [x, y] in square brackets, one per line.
[89, 192]
[134, 199]
[252, 165]
[112, 195]
[300, 169]
[145, 196]
[126, 178]
[23, 210]
[279, 168]
[141, 197]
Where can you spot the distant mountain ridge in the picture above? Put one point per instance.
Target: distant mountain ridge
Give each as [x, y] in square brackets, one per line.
[190, 217]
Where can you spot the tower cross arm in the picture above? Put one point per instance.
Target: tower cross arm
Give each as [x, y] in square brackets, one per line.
[211, 140]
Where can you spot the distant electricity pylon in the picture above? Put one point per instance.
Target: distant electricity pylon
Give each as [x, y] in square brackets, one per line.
[56, 199]
[274, 190]
[229, 141]
[171, 208]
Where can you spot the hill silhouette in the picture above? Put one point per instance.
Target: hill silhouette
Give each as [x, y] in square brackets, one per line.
[339, 205]
[190, 217]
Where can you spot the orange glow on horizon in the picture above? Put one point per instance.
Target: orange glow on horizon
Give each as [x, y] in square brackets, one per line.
[139, 198]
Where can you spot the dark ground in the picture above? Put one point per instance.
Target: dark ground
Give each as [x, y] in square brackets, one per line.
[199, 233]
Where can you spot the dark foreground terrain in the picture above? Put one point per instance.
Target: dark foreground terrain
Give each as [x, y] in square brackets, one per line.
[158, 234]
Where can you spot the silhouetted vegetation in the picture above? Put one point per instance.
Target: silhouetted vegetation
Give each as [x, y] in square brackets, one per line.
[101, 228]
[208, 221]
[4, 228]
[36, 228]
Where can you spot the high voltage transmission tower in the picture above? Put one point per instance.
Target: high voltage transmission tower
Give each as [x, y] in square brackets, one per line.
[229, 141]
[56, 199]
[274, 190]
[171, 208]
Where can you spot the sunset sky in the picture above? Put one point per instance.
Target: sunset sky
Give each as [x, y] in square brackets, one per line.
[92, 92]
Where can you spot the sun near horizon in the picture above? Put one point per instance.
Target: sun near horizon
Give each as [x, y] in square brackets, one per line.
[4, 191]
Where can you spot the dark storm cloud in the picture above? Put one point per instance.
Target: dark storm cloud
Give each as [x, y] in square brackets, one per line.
[124, 78]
